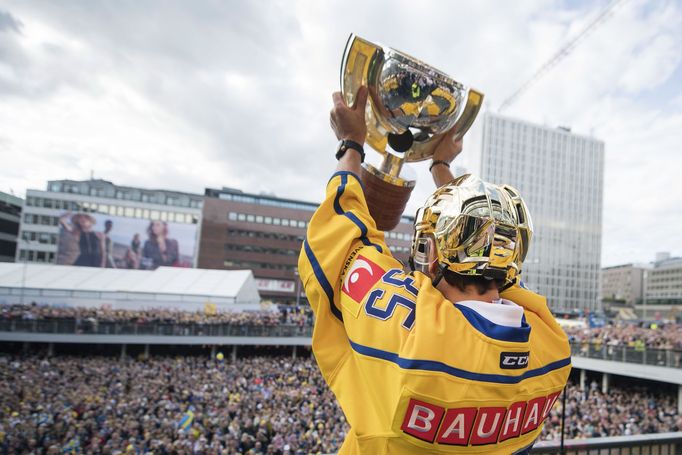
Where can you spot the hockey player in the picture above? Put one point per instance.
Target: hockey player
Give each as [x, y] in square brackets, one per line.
[455, 357]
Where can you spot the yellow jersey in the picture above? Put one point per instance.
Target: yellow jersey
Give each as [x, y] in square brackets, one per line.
[412, 371]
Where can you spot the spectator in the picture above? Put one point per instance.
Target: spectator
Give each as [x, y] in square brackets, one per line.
[255, 406]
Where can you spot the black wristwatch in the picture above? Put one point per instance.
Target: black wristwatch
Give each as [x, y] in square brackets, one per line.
[348, 144]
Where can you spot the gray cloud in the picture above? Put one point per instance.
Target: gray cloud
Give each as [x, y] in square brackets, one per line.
[189, 95]
[8, 23]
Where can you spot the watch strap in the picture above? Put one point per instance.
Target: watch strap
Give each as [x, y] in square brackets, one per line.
[437, 162]
[348, 144]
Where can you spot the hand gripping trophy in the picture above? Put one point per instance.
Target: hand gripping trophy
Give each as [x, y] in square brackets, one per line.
[411, 105]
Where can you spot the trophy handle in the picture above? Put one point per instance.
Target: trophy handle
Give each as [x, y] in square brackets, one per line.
[359, 66]
[471, 108]
[358, 55]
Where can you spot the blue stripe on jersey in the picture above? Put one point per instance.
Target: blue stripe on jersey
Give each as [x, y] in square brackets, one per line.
[324, 282]
[362, 185]
[350, 215]
[433, 365]
[495, 331]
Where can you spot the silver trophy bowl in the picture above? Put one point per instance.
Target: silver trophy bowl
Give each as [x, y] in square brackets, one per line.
[411, 105]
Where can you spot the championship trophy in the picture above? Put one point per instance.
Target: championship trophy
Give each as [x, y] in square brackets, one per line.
[411, 105]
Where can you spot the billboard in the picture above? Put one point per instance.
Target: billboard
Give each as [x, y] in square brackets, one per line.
[100, 240]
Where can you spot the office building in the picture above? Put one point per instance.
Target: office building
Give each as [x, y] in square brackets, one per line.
[97, 223]
[264, 233]
[663, 286]
[623, 285]
[10, 217]
[560, 176]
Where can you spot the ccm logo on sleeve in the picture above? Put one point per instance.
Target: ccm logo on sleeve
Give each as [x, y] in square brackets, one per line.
[475, 426]
[514, 360]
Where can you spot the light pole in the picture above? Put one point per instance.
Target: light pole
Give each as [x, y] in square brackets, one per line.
[645, 279]
[298, 289]
[23, 280]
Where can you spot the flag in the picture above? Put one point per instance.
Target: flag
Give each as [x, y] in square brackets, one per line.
[186, 421]
[210, 309]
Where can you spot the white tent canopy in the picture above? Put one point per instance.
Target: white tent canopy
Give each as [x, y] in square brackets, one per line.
[165, 287]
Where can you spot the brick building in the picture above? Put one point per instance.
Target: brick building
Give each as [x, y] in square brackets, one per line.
[264, 233]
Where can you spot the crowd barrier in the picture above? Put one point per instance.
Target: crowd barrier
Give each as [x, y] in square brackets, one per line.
[670, 358]
[90, 327]
[642, 355]
[645, 444]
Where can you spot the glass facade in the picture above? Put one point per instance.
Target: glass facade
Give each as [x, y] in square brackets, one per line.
[560, 176]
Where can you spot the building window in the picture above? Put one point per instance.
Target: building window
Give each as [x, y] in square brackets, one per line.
[232, 216]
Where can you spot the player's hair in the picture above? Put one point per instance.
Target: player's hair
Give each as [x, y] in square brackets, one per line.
[481, 284]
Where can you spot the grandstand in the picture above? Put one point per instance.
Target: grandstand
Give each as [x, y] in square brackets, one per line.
[115, 361]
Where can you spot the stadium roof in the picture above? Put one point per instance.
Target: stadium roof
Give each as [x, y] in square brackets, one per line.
[164, 284]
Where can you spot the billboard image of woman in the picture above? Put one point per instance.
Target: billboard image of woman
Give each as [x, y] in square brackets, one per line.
[159, 249]
[99, 240]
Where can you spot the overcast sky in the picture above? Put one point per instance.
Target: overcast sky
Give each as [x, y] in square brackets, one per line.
[192, 94]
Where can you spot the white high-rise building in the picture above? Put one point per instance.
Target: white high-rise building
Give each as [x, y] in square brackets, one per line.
[560, 176]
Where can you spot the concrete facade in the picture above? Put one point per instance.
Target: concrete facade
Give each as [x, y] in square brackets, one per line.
[10, 218]
[623, 284]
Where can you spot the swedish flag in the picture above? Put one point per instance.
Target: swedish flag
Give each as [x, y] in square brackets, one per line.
[186, 421]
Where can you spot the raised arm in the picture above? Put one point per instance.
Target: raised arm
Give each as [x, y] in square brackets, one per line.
[348, 123]
[338, 230]
[446, 151]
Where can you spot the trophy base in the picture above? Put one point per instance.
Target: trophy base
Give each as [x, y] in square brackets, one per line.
[386, 196]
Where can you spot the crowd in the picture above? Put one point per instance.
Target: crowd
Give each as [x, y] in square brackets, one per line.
[93, 315]
[167, 405]
[620, 412]
[259, 405]
[651, 336]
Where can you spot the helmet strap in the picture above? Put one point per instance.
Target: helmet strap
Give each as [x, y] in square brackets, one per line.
[439, 274]
[508, 285]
